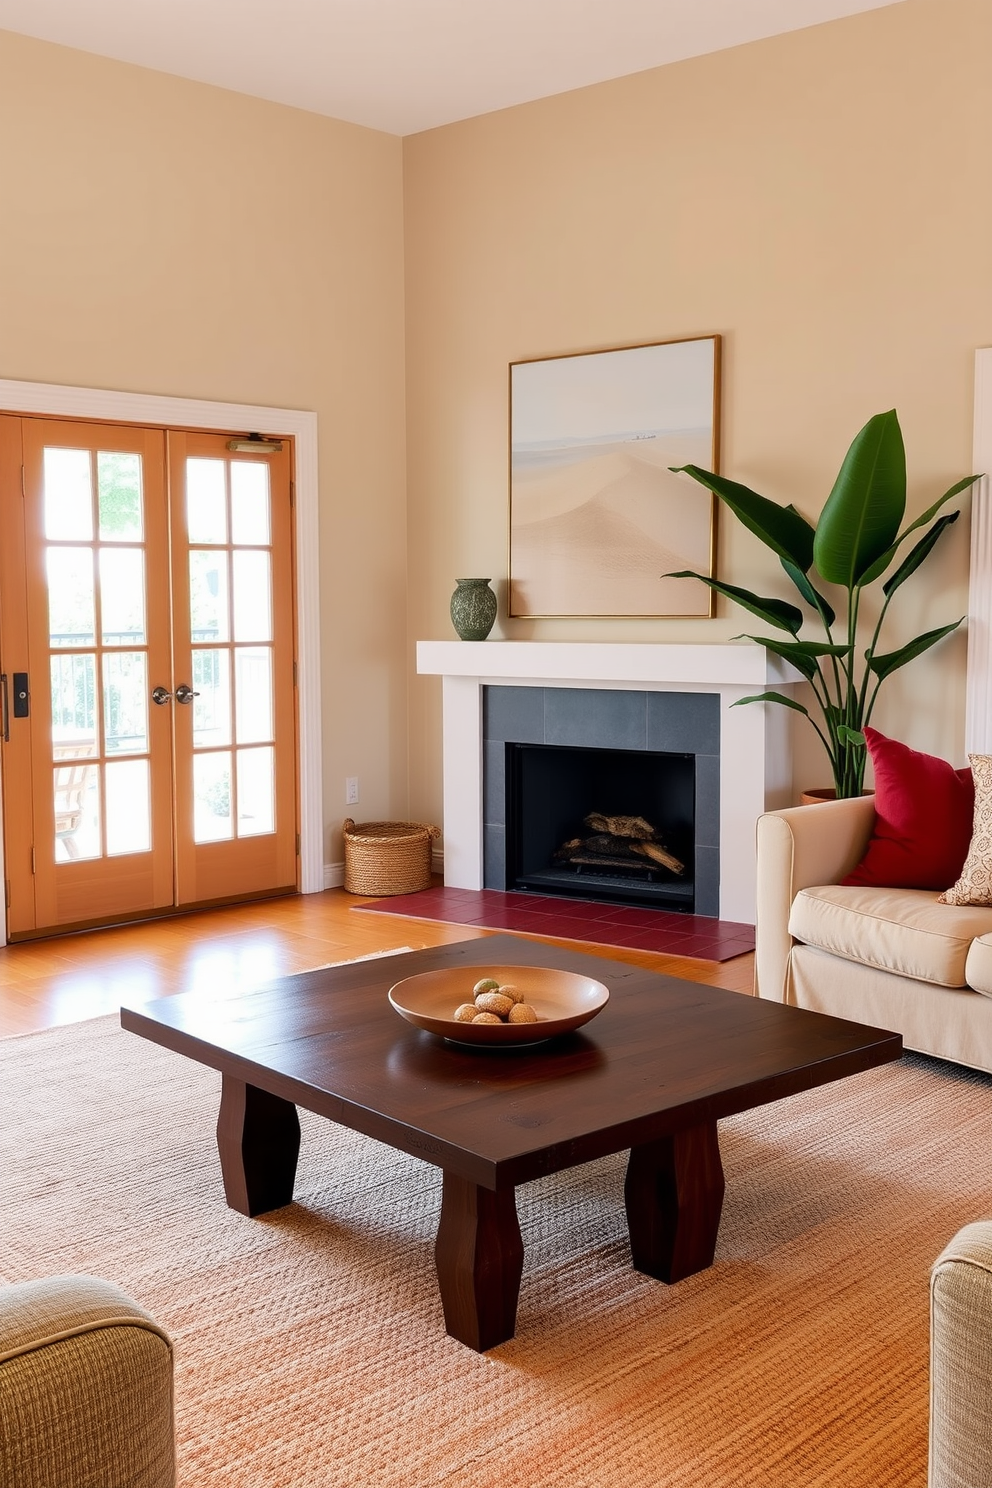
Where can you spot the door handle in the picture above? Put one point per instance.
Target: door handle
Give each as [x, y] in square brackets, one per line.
[185, 693]
[22, 697]
[4, 714]
[161, 695]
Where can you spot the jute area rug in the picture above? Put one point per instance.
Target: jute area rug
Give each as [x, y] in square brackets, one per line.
[310, 1347]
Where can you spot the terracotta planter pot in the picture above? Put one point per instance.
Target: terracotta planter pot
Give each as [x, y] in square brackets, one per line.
[821, 793]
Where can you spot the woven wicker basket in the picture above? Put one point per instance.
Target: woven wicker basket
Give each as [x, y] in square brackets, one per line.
[387, 857]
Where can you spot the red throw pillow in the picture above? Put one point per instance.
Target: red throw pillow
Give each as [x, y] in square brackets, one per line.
[923, 821]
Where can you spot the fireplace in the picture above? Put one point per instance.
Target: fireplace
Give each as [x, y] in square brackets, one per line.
[553, 755]
[611, 824]
[665, 698]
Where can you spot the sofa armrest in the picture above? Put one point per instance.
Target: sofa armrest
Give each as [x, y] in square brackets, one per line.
[85, 1388]
[961, 1361]
[797, 848]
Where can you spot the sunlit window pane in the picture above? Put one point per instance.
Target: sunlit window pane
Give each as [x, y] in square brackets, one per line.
[212, 709]
[129, 826]
[253, 693]
[118, 480]
[122, 596]
[252, 596]
[208, 596]
[206, 505]
[70, 596]
[125, 704]
[256, 794]
[249, 501]
[73, 706]
[212, 816]
[77, 810]
[68, 495]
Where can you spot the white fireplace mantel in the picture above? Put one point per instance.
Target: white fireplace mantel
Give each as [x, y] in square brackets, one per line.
[755, 758]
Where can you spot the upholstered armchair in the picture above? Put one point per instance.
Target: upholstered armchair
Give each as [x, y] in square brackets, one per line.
[961, 1361]
[85, 1388]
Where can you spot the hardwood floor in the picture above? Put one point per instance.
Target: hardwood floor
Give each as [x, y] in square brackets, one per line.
[71, 977]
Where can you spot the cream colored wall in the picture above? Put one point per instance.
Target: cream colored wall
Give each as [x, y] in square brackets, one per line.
[162, 236]
[821, 199]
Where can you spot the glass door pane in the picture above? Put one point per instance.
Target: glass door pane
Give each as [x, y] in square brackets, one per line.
[230, 622]
[235, 720]
[96, 597]
[99, 696]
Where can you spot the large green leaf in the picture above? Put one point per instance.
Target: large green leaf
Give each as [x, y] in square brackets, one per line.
[802, 654]
[916, 555]
[863, 511]
[772, 697]
[883, 666]
[775, 612]
[931, 511]
[812, 596]
[780, 528]
[882, 563]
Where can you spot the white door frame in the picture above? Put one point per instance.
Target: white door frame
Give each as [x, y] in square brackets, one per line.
[52, 400]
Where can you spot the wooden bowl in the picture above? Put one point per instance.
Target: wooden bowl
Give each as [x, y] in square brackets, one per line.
[562, 1000]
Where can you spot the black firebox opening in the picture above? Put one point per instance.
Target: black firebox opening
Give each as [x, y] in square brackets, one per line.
[552, 848]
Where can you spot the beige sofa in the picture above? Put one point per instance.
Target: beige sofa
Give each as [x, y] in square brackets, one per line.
[891, 958]
[961, 1361]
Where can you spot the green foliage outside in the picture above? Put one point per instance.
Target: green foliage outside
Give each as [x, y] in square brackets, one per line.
[119, 488]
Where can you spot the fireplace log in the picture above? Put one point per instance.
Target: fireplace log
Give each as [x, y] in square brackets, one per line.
[616, 849]
[605, 845]
[611, 851]
[596, 860]
[657, 854]
[622, 826]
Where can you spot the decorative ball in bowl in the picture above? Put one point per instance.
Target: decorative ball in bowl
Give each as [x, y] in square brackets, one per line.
[468, 1004]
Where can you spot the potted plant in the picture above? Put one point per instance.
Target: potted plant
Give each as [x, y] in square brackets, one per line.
[855, 542]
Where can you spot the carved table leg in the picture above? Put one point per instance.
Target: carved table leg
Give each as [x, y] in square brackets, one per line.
[479, 1256]
[674, 1194]
[258, 1138]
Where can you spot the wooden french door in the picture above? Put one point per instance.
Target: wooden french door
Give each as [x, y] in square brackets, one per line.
[146, 652]
[235, 747]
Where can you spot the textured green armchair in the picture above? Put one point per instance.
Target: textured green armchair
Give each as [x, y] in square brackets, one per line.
[85, 1388]
[961, 1361]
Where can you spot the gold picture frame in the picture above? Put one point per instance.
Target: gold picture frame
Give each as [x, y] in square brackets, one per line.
[596, 515]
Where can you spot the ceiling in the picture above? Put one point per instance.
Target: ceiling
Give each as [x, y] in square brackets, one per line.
[407, 65]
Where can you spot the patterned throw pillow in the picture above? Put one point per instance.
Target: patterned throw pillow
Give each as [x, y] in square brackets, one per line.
[975, 884]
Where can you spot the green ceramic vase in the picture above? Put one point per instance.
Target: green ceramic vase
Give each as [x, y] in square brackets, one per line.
[473, 609]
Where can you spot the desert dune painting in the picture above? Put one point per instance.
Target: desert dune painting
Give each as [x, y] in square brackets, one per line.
[596, 516]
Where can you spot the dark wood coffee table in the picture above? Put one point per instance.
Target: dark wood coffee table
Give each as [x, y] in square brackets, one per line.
[654, 1072]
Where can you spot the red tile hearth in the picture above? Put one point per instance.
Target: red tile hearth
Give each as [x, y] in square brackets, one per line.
[580, 920]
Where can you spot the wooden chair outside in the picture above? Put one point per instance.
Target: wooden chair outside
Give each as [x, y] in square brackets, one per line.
[71, 784]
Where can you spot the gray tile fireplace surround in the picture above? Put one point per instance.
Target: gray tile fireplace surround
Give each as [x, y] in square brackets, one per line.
[603, 718]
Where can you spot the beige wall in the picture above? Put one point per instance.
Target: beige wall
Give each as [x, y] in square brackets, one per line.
[161, 236]
[821, 199]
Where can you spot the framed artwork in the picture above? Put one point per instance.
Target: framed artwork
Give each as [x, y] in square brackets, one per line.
[596, 515]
